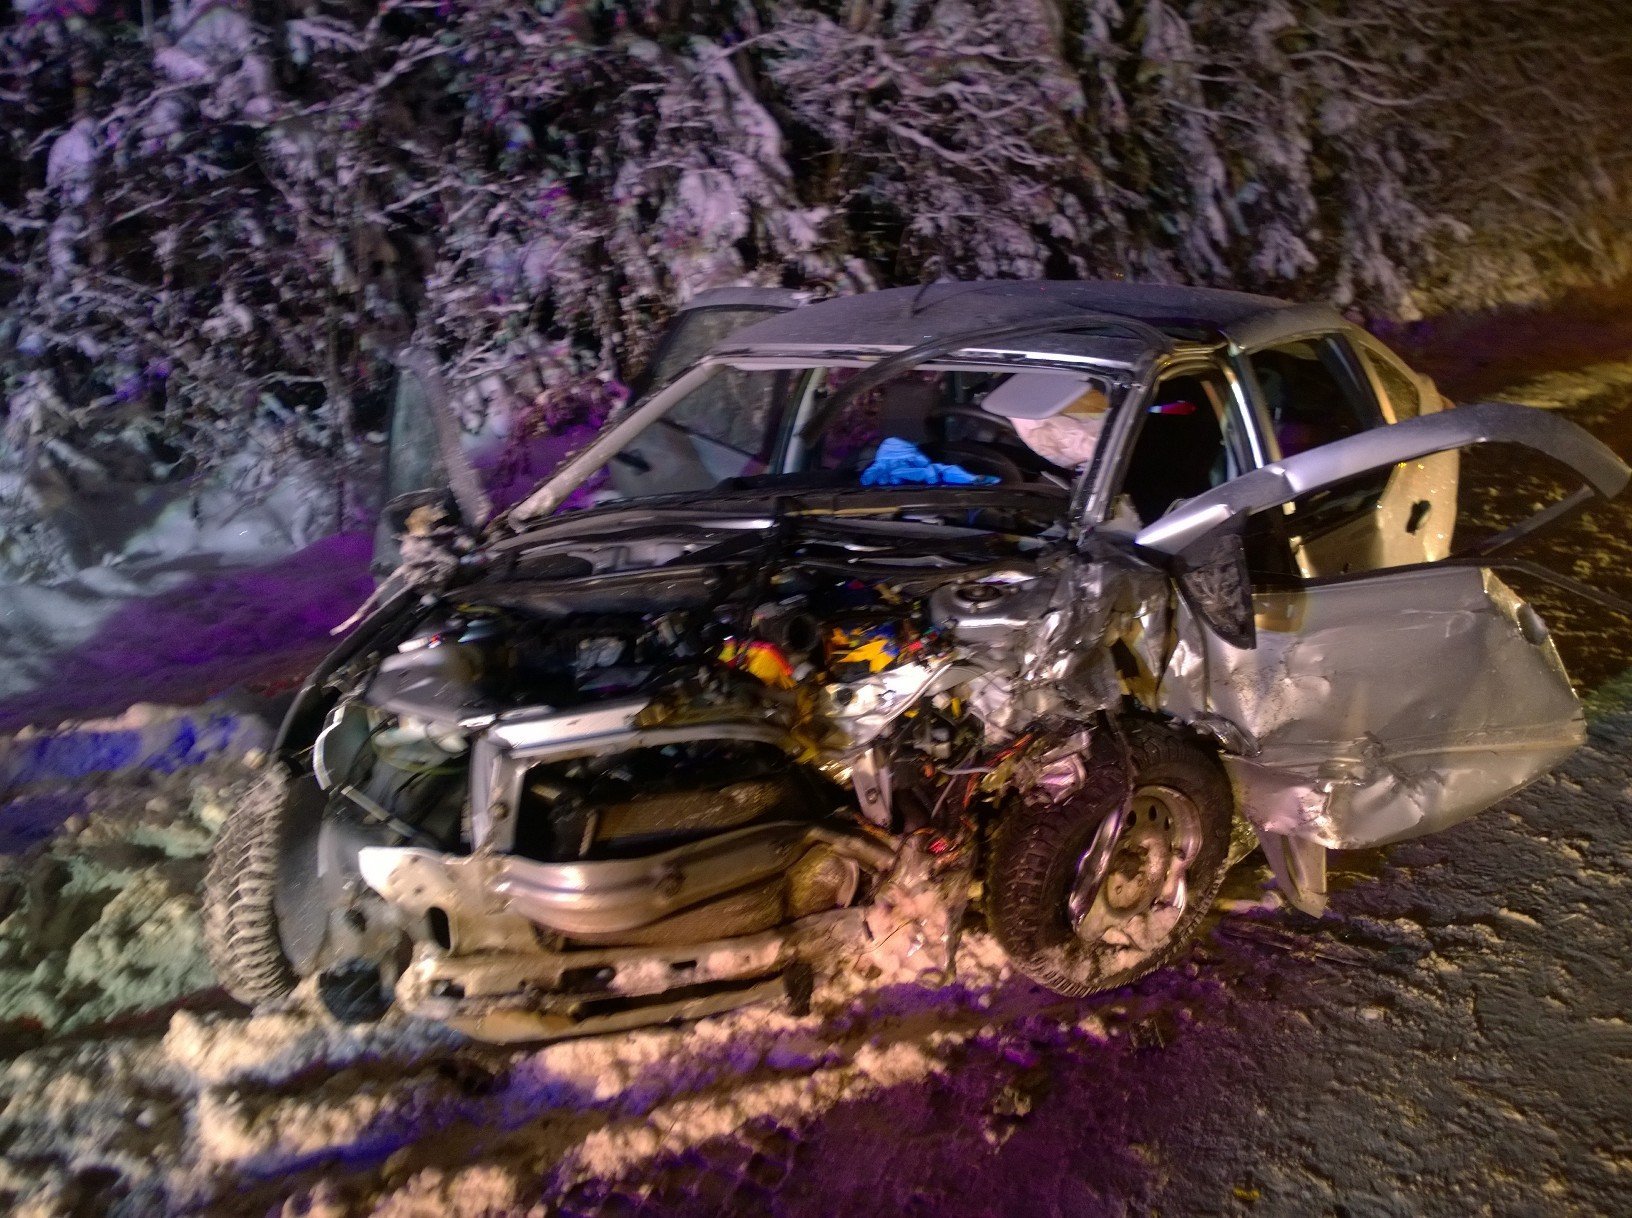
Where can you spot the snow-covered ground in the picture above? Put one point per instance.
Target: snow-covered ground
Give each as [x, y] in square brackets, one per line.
[1452, 1039]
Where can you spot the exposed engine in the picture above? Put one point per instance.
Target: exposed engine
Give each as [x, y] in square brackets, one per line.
[541, 770]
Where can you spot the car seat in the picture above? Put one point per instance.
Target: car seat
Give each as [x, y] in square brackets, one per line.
[1176, 455]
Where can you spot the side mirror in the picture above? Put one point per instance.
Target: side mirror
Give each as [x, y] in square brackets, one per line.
[1212, 578]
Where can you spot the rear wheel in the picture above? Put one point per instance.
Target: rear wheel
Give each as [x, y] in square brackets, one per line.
[1098, 890]
[240, 922]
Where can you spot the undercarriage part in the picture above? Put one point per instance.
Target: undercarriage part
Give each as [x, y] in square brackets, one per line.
[687, 812]
[758, 907]
[1300, 869]
[870, 775]
[354, 992]
[498, 1023]
[639, 800]
[1094, 887]
[540, 994]
[503, 756]
[819, 882]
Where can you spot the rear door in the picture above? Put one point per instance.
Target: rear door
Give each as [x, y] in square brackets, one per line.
[1380, 704]
[1416, 517]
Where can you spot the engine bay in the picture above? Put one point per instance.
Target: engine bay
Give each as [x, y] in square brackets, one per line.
[703, 741]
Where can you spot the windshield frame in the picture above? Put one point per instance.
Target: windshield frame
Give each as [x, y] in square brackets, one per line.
[623, 426]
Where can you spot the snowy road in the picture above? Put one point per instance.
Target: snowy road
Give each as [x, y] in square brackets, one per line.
[1453, 1039]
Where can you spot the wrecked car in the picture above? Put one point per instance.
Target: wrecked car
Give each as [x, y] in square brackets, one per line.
[1049, 599]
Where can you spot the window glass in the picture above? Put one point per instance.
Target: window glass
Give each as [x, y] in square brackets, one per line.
[1311, 395]
[727, 433]
[727, 427]
[696, 330]
[1401, 391]
[415, 461]
[731, 421]
[938, 413]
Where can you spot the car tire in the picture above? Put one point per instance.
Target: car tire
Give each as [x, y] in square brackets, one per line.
[240, 922]
[1038, 849]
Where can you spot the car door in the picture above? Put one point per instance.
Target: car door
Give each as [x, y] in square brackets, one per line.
[1416, 518]
[1375, 705]
[1313, 387]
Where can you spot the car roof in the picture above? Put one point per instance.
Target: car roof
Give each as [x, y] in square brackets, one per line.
[897, 318]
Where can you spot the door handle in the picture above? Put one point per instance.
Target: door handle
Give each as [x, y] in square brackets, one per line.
[1419, 513]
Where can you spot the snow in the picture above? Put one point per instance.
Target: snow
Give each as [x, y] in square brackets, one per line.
[1284, 147]
[72, 160]
[666, 1130]
[140, 581]
[101, 919]
[103, 924]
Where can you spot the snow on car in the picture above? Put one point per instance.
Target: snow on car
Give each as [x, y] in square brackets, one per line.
[1044, 599]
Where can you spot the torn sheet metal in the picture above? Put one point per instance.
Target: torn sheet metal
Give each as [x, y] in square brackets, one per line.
[1383, 708]
[1061, 654]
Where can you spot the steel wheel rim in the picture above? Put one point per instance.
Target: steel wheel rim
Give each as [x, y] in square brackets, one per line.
[1130, 888]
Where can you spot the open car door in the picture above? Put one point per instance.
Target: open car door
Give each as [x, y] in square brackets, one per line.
[1376, 705]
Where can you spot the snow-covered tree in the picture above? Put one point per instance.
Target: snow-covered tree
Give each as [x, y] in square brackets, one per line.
[220, 218]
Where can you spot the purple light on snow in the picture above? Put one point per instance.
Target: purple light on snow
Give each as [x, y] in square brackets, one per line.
[30, 819]
[220, 629]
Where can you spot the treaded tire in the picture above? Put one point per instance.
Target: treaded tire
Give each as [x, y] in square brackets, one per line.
[1036, 852]
[240, 924]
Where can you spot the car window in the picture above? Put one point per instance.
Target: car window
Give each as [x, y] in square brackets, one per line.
[414, 457]
[727, 427]
[1312, 394]
[731, 421]
[898, 408]
[730, 431]
[1184, 445]
[694, 331]
[1403, 397]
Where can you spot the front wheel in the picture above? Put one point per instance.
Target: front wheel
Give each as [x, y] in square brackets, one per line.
[1099, 889]
[241, 932]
